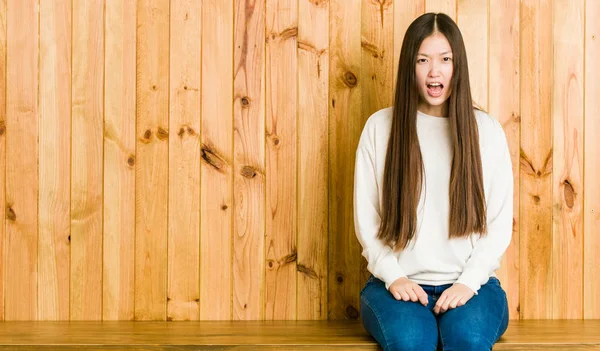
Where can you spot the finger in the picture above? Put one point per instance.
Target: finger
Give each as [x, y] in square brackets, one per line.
[454, 302]
[405, 296]
[396, 294]
[461, 302]
[413, 296]
[438, 304]
[422, 295]
[446, 303]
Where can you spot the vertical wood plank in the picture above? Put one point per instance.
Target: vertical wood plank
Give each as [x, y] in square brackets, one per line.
[535, 160]
[377, 33]
[2, 151]
[474, 25]
[55, 160]
[313, 82]
[591, 188]
[249, 160]
[504, 105]
[151, 172]
[184, 162]
[567, 113]
[86, 160]
[119, 161]
[446, 6]
[405, 12]
[345, 126]
[22, 121]
[281, 157]
[217, 159]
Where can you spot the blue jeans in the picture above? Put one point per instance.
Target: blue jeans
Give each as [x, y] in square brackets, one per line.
[401, 325]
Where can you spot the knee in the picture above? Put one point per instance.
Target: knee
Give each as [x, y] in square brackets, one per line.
[410, 343]
[467, 342]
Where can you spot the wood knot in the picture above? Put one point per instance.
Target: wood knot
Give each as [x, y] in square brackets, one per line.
[196, 300]
[309, 272]
[211, 157]
[181, 132]
[245, 102]
[147, 136]
[2, 127]
[333, 103]
[536, 199]
[270, 263]
[351, 312]
[339, 279]
[223, 207]
[69, 238]
[10, 214]
[162, 133]
[191, 131]
[276, 141]
[154, 87]
[168, 299]
[248, 172]
[350, 79]
[569, 194]
[131, 160]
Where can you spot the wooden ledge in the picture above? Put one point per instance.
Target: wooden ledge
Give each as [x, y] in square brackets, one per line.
[264, 335]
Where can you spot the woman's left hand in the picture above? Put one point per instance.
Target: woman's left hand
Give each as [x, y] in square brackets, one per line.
[455, 296]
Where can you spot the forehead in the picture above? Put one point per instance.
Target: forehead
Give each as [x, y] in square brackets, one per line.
[435, 44]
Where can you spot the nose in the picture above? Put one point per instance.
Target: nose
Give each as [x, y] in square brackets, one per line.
[434, 69]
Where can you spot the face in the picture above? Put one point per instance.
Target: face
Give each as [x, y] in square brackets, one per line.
[434, 71]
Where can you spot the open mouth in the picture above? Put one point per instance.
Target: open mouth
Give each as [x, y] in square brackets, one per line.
[435, 89]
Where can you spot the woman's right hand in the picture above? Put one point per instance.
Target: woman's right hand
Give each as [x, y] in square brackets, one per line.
[406, 290]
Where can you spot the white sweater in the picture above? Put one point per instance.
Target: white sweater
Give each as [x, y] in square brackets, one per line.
[431, 258]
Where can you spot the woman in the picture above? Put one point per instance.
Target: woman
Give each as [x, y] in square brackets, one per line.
[433, 203]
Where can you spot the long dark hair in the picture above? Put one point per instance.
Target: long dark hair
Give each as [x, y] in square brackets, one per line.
[403, 174]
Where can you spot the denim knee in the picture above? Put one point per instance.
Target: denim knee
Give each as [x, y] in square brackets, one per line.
[466, 342]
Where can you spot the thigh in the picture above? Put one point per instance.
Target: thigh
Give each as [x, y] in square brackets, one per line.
[479, 323]
[396, 325]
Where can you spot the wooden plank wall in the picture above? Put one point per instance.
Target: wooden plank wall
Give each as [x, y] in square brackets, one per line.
[194, 160]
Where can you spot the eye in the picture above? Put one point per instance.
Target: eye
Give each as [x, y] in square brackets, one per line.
[447, 59]
[421, 60]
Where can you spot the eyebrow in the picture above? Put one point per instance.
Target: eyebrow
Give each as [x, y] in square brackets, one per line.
[443, 53]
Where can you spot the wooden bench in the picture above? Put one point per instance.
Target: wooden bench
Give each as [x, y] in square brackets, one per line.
[264, 335]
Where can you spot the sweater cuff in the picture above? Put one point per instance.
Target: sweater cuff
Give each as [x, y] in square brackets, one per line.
[389, 272]
[472, 279]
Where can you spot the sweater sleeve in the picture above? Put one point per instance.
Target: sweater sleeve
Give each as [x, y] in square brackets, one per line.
[381, 260]
[488, 250]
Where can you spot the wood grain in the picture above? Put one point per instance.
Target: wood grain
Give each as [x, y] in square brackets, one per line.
[249, 160]
[281, 159]
[591, 187]
[2, 152]
[86, 160]
[260, 335]
[567, 183]
[345, 126]
[446, 6]
[535, 160]
[504, 105]
[183, 294]
[313, 153]
[22, 120]
[473, 21]
[216, 201]
[119, 161]
[55, 160]
[405, 12]
[152, 159]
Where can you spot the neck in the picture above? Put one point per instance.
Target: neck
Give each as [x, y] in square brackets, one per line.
[437, 111]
